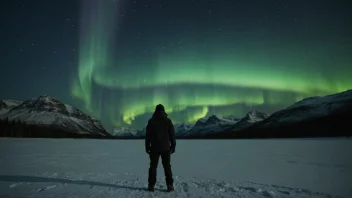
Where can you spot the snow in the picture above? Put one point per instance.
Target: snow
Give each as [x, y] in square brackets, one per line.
[202, 168]
[6, 105]
[182, 129]
[255, 116]
[250, 118]
[12, 103]
[70, 109]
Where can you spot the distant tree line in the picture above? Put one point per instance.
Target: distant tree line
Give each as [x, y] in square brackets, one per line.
[19, 129]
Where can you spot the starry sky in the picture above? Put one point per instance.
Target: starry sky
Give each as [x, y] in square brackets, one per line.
[117, 59]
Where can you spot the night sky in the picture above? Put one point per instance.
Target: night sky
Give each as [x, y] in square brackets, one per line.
[117, 59]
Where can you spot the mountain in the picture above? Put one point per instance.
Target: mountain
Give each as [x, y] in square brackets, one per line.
[249, 119]
[214, 124]
[323, 116]
[182, 129]
[49, 112]
[124, 132]
[12, 103]
[3, 105]
[140, 133]
[312, 108]
[204, 126]
[311, 117]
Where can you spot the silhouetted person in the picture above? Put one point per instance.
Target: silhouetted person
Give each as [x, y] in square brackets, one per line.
[160, 141]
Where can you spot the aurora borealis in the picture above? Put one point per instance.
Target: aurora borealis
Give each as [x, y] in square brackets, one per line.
[199, 58]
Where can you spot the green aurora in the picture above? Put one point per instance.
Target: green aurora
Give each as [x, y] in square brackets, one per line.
[194, 79]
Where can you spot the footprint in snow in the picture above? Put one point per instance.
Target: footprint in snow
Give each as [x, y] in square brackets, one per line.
[251, 189]
[284, 192]
[14, 185]
[47, 188]
[185, 187]
[268, 193]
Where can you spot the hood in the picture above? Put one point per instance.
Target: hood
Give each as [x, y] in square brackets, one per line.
[159, 114]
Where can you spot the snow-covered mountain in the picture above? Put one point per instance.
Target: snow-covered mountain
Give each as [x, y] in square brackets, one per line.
[12, 103]
[48, 111]
[2, 105]
[124, 132]
[182, 129]
[312, 108]
[325, 116]
[204, 126]
[213, 124]
[308, 109]
[250, 118]
[140, 133]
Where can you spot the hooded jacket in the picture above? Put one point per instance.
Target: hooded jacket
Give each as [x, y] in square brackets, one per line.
[160, 133]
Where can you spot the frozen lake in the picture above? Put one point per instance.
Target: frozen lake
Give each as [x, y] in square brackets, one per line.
[202, 168]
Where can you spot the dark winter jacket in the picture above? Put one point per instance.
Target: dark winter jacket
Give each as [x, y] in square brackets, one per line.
[160, 134]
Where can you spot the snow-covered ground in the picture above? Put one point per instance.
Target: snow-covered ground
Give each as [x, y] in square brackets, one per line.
[202, 168]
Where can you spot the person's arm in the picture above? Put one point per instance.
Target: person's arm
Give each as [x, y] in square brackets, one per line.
[148, 137]
[172, 136]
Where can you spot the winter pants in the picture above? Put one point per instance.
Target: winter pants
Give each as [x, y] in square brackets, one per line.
[165, 159]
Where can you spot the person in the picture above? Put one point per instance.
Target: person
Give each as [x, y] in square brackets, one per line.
[160, 141]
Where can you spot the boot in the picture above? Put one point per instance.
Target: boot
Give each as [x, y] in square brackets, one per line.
[150, 188]
[170, 188]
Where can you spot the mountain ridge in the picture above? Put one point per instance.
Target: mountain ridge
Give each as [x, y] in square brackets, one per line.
[47, 111]
[307, 115]
[329, 114]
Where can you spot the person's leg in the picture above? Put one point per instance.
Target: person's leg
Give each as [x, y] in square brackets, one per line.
[154, 159]
[166, 160]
